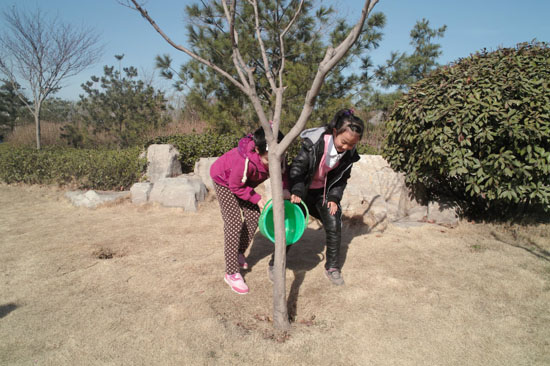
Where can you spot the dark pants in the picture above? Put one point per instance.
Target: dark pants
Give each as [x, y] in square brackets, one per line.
[332, 225]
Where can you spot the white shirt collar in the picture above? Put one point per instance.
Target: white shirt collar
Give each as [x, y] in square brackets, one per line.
[333, 156]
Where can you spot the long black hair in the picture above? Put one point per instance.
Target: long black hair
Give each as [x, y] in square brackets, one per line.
[260, 142]
[345, 119]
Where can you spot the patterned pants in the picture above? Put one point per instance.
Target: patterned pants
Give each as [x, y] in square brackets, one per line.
[238, 233]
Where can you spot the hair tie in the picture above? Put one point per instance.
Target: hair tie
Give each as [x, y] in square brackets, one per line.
[349, 112]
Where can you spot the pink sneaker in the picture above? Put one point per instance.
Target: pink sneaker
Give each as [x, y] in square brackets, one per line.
[237, 283]
[242, 261]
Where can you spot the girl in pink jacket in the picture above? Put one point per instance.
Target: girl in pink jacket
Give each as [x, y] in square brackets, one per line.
[235, 174]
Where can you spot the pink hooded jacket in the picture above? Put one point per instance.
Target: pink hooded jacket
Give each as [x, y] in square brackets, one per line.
[229, 170]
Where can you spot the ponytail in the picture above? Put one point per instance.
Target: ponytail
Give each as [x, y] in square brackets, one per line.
[260, 141]
[345, 119]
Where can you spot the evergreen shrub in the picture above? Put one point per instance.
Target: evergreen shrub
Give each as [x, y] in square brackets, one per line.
[104, 169]
[478, 130]
[78, 168]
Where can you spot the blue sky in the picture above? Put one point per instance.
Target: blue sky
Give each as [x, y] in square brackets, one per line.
[471, 26]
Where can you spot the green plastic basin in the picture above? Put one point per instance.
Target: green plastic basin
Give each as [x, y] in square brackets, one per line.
[295, 222]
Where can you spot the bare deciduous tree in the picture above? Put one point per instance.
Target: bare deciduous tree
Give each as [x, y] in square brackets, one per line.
[38, 53]
[244, 77]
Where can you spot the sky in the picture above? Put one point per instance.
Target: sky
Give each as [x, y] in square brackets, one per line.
[471, 26]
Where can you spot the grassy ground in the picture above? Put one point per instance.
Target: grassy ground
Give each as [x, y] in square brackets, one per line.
[142, 285]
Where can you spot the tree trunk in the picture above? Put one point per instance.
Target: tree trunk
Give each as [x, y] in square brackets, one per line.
[246, 83]
[37, 124]
[280, 312]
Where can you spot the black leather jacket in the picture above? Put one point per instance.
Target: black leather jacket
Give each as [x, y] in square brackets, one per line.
[304, 165]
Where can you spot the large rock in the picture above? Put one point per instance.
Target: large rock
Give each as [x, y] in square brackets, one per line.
[442, 213]
[140, 192]
[374, 190]
[376, 194]
[93, 199]
[162, 162]
[376, 117]
[202, 170]
[183, 191]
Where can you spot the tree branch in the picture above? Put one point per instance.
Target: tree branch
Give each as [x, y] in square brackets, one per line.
[268, 72]
[282, 43]
[144, 14]
[332, 57]
[238, 61]
[280, 90]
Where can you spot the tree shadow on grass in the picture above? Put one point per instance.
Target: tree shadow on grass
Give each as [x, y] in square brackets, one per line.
[6, 309]
[304, 256]
[527, 245]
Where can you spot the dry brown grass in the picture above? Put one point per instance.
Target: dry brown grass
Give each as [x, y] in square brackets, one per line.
[142, 285]
[180, 127]
[25, 135]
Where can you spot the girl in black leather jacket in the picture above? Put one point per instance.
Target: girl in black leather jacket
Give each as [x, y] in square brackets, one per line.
[319, 174]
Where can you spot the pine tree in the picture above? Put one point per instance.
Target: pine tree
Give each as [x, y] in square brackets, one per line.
[121, 106]
[10, 106]
[223, 105]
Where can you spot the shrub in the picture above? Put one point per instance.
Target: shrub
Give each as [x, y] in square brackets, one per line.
[479, 130]
[120, 106]
[80, 168]
[108, 169]
[366, 149]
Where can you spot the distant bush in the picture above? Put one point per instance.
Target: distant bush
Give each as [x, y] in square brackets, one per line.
[78, 168]
[365, 149]
[479, 130]
[109, 169]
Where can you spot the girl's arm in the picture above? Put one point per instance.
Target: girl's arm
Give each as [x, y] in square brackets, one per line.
[286, 181]
[286, 175]
[298, 173]
[240, 188]
[336, 191]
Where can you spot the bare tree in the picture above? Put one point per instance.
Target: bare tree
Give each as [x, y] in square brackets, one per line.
[38, 53]
[246, 82]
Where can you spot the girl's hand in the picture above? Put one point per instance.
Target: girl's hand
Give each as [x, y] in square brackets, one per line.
[286, 194]
[295, 199]
[333, 207]
[261, 204]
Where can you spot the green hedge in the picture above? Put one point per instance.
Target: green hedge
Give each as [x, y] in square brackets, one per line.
[109, 169]
[80, 168]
